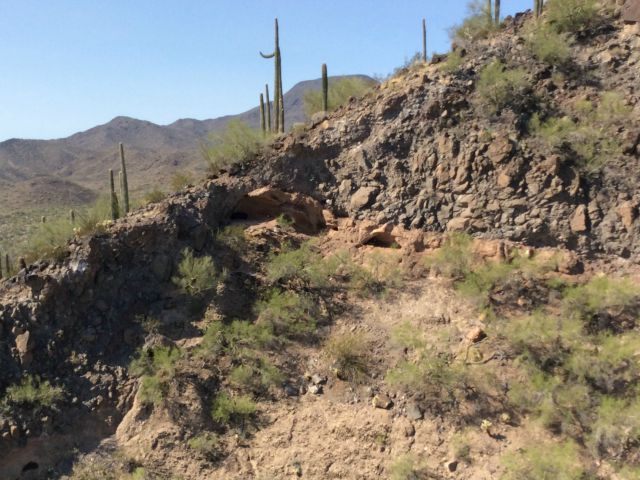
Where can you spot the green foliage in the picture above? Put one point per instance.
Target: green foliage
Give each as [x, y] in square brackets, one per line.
[284, 221]
[235, 338]
[455, 258]
[233, 410]
[233, 237]
[157, 367]
[181, 180]
[477, 25]
[404, 468]
[290, 314]
[236, 144]
[431, 374]
[206, 444]
[593, 136]
[196, 276]
[340, 90]
[600, 295]
[545, 460]
[293, 264]
[499, 87]
[454, 62]
[33, 392]
[256, 375]
[350, 354]
[406, 335]
[572, 15]
[548, 45]
[616, 431]
[154, 196]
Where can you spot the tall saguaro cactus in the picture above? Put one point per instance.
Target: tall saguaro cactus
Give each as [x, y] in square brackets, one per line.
[537, 7]
[114, 198]
[424, 40]
[487, 12]
[496, 11]
[325, 88]
[263, 126]
[266, 90]
[124, 184]
[278, 99]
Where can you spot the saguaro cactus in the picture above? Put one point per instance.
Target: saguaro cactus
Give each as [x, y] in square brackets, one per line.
[263, 126]
[1, 267]
[278, 99]
[266, 89]
[424, 40]
[488, 11]
[114, 198]
[496, 12]
[125, 183]
[7, 264]
[72, 217]
[22, 263]
[537, 7]
[325, 88]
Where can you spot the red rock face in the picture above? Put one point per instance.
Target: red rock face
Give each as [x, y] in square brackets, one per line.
[631, 11]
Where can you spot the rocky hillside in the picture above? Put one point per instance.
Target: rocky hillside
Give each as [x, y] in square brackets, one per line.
[426, 283]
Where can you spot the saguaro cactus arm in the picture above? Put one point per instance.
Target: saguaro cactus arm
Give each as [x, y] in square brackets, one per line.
[114, 198]
[325, 88]
[424, 40]
[263, 126]
[266, 88]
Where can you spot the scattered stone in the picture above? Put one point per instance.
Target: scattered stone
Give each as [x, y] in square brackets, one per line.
[413, 411]
[318, 379]
[579, 220]
[475, 335]
[362, 197]
[382, 401]
[315, 389]
[452, 465]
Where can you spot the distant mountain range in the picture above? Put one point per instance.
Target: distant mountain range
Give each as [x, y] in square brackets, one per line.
[67, 170]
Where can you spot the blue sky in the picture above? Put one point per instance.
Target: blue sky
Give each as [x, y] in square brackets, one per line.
[68, 65]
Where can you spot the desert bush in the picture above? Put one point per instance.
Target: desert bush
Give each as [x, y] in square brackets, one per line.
[541, 460]
[405, 468]
[477, 25]
[236, 144]
[499, 87]
[350, 355]
[34, 392]
[340, 90]
[292, 264]
[406, 335]
[233, 237]
[547, 44]
[234, 411]
[593, 136]
[196, 276]
[600, 296]
[180, 180]
[455, 258]
[454, 62]
[616, 430]
[572, 15]
[156, 367]
[431, 374]
[256, 375]
[290, 314]
[154, 195]
[206, 444]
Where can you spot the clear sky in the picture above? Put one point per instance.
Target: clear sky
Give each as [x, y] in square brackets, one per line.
[68, 65]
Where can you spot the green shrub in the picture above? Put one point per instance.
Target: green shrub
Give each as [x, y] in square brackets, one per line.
[572, 15]
[181, 180]
[404, 468]
[455, 258]
[406, 335]
[547, 45]
[499, 88]
[453, 63]
[207, 444]
[290, 314]
[593, 137]
[236, 144]
[154, 196]
[233, 237]
[293, 264]
[233, 410]
[256, 375]
[616, 431]
[196, 276]
[545, 460]
[477, 25]
[34, 392]
[157, 367]
[432, 375]
[350, 355]
[340, 90]
[600, 295]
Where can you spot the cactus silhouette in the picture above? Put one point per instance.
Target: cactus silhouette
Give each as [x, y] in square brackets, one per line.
[114, 198]
[263, 126]
[266, 89]
[496, 12]
[278, 99]
[325, 88]
[424, 40]
[124, 185]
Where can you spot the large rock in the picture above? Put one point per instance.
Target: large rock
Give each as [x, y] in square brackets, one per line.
[362, 198]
